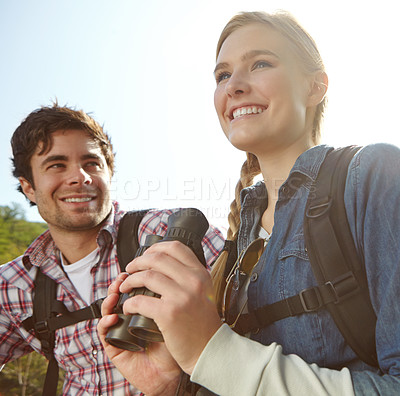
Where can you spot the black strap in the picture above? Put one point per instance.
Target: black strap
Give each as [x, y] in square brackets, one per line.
[45, 292]
[127, 240]
[334, 256]
[308, 300]
[51, 379]
[64, 317]
[340, 273]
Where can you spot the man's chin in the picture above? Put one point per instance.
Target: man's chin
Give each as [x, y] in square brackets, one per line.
[82, 222]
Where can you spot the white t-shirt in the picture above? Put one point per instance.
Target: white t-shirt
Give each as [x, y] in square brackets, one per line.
[80, 276]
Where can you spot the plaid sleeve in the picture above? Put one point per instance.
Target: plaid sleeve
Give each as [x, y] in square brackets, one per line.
[13, 308]
[155, 222]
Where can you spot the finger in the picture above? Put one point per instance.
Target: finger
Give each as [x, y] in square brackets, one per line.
[155, 281]
[102, 329]
[105, 323]
[109, 303]
[169, 266]
[174, 249]
[144, 305]
[156, 262]
[172, 295]
[114, 287]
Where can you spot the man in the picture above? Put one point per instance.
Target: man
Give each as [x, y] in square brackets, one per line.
[64, 163]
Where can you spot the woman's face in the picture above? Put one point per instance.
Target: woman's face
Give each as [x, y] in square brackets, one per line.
[262, 95]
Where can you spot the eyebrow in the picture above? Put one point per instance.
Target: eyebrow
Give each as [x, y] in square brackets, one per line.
[53, 158]
[64, 158]
[248, 55]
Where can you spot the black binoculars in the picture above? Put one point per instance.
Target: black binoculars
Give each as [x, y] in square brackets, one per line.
[134, 332]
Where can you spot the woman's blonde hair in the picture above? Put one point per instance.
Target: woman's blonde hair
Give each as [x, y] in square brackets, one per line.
[311, 62]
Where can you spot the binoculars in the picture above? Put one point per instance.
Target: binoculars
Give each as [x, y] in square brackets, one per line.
[134, 332]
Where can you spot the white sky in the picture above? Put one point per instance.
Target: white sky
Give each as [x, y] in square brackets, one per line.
[144, 71]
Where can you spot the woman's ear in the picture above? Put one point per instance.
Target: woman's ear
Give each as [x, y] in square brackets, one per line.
[318, 89]
[27, 189]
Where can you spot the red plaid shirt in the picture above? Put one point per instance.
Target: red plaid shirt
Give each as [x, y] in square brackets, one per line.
[78, 350]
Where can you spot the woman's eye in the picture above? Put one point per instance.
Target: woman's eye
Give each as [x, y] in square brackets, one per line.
[261, 65]
[222, 76]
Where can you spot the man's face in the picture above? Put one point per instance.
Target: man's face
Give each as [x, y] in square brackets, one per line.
[71, 183]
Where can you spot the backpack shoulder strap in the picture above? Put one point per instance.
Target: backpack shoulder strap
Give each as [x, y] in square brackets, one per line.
[45, 292]
[127, 240]
[334, 257]
[340, 273]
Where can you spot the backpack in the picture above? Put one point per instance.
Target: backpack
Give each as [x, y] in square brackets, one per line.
[49, 314]
[340, 273]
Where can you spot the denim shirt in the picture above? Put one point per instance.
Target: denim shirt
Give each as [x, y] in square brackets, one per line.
[372, 201]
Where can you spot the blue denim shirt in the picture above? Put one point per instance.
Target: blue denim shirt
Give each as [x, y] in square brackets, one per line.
[372, 200]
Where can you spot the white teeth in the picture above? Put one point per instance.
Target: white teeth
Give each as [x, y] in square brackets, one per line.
[87, 199]
[247, 110]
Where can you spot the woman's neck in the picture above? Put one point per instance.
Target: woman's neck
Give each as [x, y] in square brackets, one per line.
[275, 168]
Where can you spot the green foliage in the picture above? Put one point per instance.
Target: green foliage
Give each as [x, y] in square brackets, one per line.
[24, 376]
[16, 233]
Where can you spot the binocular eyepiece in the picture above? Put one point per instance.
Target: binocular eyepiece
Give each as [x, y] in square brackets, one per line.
[133, 332]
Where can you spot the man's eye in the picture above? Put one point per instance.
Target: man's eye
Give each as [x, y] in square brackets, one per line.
[222, 76]
[93, 164]
[56, 166]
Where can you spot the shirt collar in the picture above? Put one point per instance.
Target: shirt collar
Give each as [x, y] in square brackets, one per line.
[43, 248]
[307, 166]
[309, 162]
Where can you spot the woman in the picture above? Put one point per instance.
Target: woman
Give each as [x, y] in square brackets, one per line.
[270, 98]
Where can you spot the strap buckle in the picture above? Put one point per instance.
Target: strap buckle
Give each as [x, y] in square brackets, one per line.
[42, 327]
[319, 209]
[311, 299]
[343, 286]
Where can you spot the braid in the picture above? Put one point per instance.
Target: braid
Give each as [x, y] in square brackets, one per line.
[249, 170]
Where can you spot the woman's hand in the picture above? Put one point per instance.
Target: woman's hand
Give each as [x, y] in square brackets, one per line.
[186, 312]
[153, 371]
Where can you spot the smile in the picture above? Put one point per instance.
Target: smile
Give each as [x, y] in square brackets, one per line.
[83, 199]
[242, 111]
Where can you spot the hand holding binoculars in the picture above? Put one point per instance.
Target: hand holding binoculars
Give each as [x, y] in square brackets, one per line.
[133, 332]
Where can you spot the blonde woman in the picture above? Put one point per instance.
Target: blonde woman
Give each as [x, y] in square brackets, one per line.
[270, 97]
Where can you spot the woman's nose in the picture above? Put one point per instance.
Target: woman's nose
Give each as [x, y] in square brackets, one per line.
[237, 84]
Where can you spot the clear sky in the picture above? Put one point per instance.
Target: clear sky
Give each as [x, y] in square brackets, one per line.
[143, 69]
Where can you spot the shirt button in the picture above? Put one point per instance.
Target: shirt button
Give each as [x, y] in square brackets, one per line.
[254, 277]
[95, 352]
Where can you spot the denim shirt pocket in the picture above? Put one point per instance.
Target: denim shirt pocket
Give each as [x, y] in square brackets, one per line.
[296, 247]
[301, 334]
[295, 269]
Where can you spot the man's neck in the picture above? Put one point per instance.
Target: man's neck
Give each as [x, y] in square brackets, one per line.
[75, 245]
